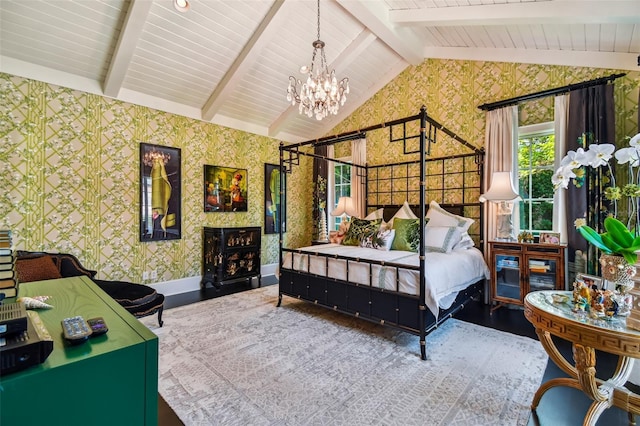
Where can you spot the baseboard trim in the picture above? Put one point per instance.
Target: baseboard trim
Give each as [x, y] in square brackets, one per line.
[187, 284]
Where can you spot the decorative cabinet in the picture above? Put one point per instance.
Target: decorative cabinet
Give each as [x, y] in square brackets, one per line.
[519, 268]
[230, 255]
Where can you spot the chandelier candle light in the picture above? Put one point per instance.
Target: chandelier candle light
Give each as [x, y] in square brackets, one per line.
[322, 94]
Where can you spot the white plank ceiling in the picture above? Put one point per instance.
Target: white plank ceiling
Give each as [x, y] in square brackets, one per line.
[228, 61]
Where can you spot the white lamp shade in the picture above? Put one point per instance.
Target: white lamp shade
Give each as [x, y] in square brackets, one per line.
[345, 206]
[501, 188]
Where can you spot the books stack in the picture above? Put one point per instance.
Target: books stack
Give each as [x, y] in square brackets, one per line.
[539, 266]
[8, 279]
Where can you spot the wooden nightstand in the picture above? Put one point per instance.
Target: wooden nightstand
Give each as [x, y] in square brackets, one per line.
[519, 268]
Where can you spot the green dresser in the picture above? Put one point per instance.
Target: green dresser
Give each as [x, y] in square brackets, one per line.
[110, 380]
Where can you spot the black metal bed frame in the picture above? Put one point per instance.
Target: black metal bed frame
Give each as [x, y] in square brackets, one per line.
[389, 185]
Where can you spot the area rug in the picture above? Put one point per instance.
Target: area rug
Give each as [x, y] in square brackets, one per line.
[240, 360]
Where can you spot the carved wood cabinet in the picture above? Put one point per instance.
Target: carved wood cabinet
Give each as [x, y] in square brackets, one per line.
[230, 255]
[520, 268]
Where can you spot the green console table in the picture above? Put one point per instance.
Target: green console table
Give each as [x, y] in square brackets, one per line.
[110, 380]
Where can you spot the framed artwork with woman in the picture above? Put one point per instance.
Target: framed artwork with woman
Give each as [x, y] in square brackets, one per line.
[274, 214]
[225, 189]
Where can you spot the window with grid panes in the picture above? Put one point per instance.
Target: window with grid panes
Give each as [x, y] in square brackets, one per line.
[341, 188]
[536, 150]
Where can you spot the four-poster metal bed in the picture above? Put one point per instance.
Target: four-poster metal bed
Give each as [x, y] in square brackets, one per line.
[454, 181]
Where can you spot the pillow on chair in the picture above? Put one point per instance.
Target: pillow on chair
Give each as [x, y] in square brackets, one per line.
[36, 269]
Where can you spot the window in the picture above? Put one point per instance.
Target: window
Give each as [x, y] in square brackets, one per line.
[536, 150]
[340, 186]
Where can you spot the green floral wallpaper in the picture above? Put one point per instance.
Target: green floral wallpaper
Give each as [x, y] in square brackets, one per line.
[70, 175]
[453, 90]
[69, 160]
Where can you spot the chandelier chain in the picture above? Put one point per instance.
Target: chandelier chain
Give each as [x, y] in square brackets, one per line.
[318, 20]
[322, 94]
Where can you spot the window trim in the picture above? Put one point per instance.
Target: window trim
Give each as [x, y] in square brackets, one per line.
[532, 130]
[331, 190]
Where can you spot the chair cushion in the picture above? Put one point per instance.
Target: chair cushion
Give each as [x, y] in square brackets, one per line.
[36, 269]
[128, 294]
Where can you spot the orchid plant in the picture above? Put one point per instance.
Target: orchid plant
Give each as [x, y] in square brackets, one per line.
[620, 238]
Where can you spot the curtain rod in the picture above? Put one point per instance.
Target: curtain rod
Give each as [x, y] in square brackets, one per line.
[550, 92]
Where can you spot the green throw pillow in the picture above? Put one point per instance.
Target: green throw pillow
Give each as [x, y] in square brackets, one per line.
[407, 234]
[359, 230]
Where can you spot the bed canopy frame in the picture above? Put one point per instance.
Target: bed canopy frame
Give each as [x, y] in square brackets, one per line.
[419, 179]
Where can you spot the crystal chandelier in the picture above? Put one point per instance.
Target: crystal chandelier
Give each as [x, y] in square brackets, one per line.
[322, 94]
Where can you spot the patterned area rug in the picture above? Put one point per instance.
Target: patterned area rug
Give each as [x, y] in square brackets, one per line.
[239, 360]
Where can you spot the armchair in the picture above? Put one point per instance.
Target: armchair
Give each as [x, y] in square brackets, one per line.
[138, 299]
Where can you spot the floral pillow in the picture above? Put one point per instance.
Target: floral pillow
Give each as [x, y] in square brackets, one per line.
[359, 230]
[336, 237]
[407, 236]
[381, 240]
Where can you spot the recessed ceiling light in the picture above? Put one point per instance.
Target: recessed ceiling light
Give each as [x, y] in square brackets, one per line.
[181, 5]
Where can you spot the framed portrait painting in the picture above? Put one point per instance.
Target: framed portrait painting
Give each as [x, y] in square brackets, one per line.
[160, 193]
[225, 189]
[274, 210]
[590, 281]
[550, 238]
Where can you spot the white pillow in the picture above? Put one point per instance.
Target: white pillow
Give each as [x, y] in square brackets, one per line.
[441, 239]
[465, 242]
[378, 214]
[440, 217]
[403, 212]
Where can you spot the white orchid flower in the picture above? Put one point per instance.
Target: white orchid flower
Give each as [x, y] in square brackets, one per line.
[599, 155]
[635, 141]
[582, 158]
[628, 155]
[562, 177]
[574, 159]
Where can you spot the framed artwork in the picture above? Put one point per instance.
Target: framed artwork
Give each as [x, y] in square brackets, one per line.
[590, 280]
[160, 193]
[225, 189]
[273, 215]
[549, 238]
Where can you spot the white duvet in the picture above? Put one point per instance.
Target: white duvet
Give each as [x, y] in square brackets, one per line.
[445, 273]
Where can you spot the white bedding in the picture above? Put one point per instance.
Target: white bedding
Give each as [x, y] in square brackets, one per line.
[445, 273]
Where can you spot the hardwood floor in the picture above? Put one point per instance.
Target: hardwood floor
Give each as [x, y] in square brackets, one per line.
[560, 406]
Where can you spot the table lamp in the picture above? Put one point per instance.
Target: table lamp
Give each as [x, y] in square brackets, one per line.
[345, 207]
[503, 193]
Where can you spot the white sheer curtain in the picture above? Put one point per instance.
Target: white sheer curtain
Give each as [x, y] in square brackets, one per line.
[358, 156]
[561, 118]
[501, 131]
[331, 188]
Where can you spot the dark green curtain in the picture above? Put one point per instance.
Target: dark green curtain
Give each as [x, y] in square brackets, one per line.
[320, 173]
[591, 121]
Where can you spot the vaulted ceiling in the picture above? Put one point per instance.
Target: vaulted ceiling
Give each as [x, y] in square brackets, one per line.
[228, 61]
